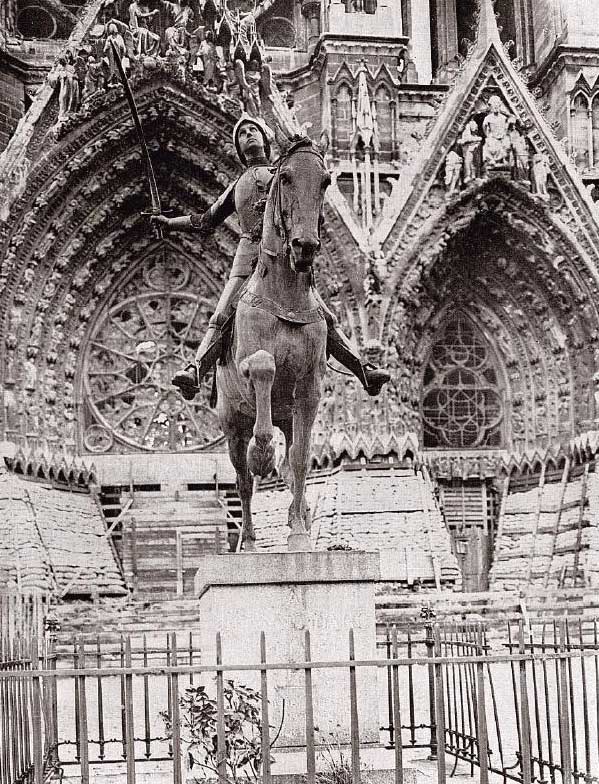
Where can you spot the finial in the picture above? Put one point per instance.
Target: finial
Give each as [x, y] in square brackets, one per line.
[488, 32]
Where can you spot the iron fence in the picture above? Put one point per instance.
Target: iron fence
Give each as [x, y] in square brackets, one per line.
[521, 703]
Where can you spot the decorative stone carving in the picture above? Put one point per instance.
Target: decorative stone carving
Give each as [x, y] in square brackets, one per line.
[453, 171]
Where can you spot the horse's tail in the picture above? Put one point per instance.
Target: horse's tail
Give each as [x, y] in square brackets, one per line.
[260, 370]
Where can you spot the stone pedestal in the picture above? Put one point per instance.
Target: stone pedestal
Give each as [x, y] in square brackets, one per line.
[283, 595]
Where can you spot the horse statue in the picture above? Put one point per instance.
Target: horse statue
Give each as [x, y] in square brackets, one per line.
[273, 370]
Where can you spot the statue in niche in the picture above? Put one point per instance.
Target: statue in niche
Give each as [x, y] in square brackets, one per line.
[497, 146]
[519, 151]
[470, 141]
[177, 35]
[94, 78]
[146, 42]
[115, 37]
[540, 173]
[453, 171]
[65, 77]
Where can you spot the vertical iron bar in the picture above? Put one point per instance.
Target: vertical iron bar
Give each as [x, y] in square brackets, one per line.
[430, 644]
[481, 714]
[585, 704]
[572, 706]
[389, 689]
[547, 708]
[129, 729]
[146, 682]
[123, 702]
[36, 716]
[596, 662]
[309, 700]
[100, 700]
[265, 721]
[454, 686]
[221, 746]
[525, 748]
[191, 655]
[411, 691]
[176, 719]
[462, 738]
[538, 731]
[83, 734]
[439, 711]
[447, 649]
[496, 718]
[354, 727]
[396, 711]
[564, 712]
[514, 685]
[169, 687]
[77, 722]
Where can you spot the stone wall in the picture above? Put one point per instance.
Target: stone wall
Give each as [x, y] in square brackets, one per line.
[12, 102]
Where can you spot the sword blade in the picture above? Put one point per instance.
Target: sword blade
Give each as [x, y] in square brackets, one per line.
[154, 195]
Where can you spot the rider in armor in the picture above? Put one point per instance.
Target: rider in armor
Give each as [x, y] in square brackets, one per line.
[247, 197]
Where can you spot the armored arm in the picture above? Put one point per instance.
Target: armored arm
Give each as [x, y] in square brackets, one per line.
[215, 215]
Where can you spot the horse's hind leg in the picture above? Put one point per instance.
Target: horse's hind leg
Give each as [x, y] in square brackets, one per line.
[260, 369]
[238, 444]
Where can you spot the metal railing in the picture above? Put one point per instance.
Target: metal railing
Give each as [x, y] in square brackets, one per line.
[523, 704]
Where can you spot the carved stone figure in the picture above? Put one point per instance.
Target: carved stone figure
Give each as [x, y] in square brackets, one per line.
[540, 173]
[208, 55]
[453, 171]
[146, 42]
[94, 78]
[497, 146]
[115, 37]
[470, 141]
[519, 151]
[65, 77]
[177, 35]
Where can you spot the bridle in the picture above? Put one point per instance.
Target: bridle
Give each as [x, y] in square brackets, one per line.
[280, 226]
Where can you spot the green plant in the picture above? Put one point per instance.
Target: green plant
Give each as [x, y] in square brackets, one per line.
[242, 724]
[335, 765]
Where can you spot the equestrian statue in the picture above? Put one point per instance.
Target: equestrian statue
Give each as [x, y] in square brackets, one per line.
[271, 329]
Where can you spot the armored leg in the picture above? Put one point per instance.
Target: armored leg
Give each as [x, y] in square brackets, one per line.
[210, 349]
[339, 346]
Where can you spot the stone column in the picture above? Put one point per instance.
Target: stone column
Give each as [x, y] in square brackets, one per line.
[420, 40]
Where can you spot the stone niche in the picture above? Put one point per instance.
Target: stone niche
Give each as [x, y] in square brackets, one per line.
[283, 595]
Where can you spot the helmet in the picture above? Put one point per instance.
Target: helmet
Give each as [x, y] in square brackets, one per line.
[267, 134]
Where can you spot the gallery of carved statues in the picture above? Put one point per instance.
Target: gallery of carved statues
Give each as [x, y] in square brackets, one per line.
[457, 252]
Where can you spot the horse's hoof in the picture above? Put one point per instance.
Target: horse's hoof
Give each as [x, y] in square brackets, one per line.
[249, 546]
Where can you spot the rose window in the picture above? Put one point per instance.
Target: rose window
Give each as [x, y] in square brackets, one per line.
[461, 403]
[150, 329]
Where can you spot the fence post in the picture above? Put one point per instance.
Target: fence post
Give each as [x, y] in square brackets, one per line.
[310, 749]
[481, 713]
[221, 741]
[174, 676]
[83, 733]
[36, 716]
[129, 730]
[439, 710]
[354, 726]
[396, 710]
[564, 711]
[429, 614]
[525, 737]
[265, 722]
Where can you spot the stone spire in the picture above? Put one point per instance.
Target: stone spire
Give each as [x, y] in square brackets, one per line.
[488, 32]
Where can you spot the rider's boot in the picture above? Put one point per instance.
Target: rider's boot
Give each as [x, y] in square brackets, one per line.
[210, 349]
[339, 346]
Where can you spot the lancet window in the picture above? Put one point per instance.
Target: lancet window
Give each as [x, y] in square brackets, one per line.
[462, 406]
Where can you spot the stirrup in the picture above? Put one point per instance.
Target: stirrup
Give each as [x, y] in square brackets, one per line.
[188, 380]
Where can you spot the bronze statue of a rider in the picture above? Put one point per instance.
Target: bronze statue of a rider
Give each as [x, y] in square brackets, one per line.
[247, 197]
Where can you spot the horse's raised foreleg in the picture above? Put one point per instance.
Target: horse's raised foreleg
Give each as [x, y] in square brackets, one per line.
[260, 370]
[238, 444]
[307, 397]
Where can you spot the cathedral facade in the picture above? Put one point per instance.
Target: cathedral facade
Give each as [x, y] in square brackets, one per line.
[460, 250]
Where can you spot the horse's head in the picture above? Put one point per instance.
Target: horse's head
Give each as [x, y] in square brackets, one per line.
[300, 182]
